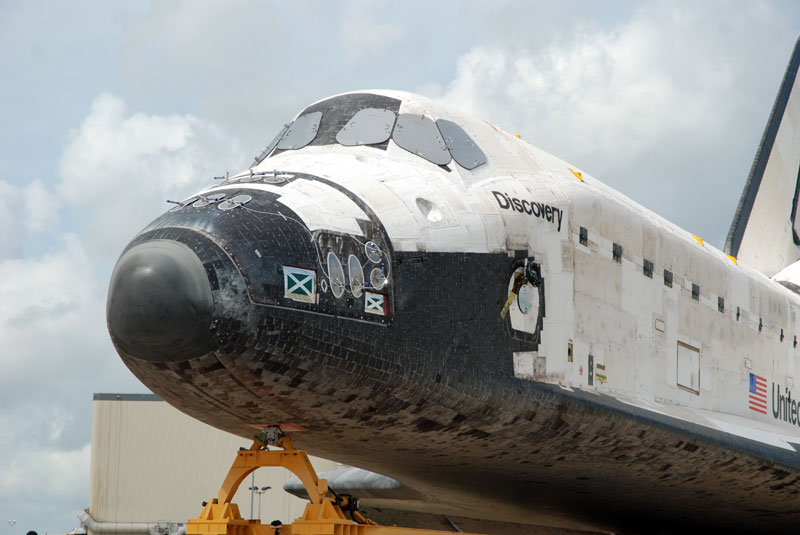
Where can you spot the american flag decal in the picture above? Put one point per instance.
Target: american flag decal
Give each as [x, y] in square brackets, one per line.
[758, 393]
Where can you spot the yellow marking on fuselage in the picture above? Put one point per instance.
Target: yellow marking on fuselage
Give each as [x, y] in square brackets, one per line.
[578, 174]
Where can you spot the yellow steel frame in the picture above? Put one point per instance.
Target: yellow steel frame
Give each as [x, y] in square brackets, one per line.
[322, 515]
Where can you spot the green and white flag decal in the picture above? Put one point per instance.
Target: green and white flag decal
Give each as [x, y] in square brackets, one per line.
[374, 303]
[300, 284]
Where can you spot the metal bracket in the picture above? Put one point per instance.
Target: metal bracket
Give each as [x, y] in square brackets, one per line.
[270, 436]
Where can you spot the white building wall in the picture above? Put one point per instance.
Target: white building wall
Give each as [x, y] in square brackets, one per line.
[150, 463]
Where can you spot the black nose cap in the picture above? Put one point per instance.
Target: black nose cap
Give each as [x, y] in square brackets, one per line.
[159, 303]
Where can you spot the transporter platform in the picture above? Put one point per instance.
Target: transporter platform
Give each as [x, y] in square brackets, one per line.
[325, 514]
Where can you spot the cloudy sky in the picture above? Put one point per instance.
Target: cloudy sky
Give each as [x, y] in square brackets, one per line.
[110, 108]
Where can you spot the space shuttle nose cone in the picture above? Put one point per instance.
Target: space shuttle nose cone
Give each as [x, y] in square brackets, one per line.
[159, 303]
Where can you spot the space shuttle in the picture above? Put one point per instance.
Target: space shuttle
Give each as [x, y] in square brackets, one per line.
[509, 342]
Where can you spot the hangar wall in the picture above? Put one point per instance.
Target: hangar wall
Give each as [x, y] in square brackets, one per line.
[152, 463]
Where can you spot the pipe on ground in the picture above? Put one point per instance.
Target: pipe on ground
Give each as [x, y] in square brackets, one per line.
[128, 528]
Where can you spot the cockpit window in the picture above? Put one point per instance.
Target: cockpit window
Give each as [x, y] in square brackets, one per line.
[356, 119]
[369, 126]
[301, 132]
[337, 112]
[418, 134]
[464, 150]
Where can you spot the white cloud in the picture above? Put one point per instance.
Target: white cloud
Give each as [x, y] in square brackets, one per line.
[248, 64]
[120, 168]
[251, 64]
[54, 354]
[11, 236]
[24, 212]
[366, 36]
[46, 483]
[117, 170]
[62, 470]
[43, 300]
[41, 207]
[52, 332]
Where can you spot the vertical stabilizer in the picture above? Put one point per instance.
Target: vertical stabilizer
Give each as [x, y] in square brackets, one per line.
[765, 233]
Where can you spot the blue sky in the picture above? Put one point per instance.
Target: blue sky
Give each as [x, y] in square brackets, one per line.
[110, 108]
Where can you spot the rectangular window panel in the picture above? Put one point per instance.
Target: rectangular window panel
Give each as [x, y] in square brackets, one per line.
[689, 368]
[647, 268]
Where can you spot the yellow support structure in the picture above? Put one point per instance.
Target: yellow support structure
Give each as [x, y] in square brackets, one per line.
[322, 515]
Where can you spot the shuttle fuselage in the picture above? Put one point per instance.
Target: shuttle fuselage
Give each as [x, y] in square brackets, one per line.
[350, 288]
